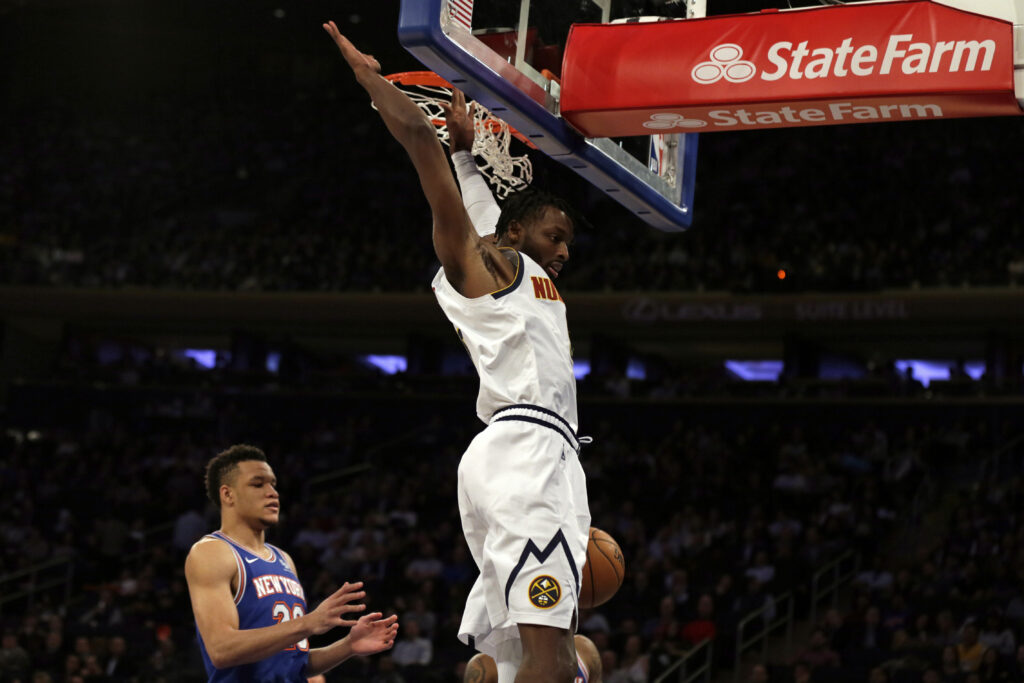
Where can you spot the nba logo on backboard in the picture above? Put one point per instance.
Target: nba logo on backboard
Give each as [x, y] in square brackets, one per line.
[657, 162]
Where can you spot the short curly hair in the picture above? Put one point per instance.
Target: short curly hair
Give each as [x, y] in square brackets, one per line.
[529, 205]
[224, 463]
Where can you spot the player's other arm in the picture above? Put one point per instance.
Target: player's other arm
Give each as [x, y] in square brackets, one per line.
[591, 657]
[480, 669]
[370, 635]
[476, 195]
[209, 569]
[472, 266]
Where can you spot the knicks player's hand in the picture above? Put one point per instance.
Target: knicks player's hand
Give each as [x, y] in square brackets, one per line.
[461, 122]
[331, 612]
[373, 634]
[361, 64]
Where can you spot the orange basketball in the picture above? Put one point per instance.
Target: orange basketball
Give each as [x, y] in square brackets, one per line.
[604, 570]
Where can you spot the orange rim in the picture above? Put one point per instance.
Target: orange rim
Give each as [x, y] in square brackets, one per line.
[419, 78]
[431, 79]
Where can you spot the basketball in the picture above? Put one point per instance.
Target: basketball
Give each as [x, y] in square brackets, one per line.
[604, 570]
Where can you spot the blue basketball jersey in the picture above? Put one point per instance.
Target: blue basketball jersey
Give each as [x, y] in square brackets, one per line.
[582, 674]
[268, 593]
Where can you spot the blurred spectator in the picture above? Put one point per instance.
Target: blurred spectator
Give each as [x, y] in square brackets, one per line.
[969, 650]
[758, 674]
[818, 653]
[14, 660]
[702, 626]
[996, 635]
[120, 664]
[412, 648]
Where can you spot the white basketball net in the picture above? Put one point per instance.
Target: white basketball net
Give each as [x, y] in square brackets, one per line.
[506, 173]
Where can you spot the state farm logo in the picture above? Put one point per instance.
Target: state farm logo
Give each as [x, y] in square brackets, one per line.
[900, 54]
[670, 121]
[726, 62]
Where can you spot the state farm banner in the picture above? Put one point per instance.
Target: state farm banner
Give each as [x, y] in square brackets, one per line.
[853, 63]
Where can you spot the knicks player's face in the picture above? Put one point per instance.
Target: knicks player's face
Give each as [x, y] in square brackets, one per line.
[255, 493]
[546, 240]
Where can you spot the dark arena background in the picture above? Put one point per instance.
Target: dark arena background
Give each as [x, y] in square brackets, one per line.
[806, 409]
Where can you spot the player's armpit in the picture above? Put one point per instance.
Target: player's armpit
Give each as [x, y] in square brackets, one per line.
[484, 270]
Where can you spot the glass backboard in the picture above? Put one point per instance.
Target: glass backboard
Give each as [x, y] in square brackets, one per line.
[507, 54]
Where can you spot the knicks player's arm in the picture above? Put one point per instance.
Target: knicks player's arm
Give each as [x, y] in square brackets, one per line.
[371, 634]
[210, 569]
[591, 657]
[476, 195]
[473, 266]
[480, 669]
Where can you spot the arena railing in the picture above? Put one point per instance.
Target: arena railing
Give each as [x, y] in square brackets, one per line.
[774, 615]
[27, 583]
[826, 581]
[680, 667]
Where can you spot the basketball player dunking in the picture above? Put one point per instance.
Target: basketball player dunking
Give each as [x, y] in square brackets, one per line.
[522, 492]
[249, 606]
[481, 669]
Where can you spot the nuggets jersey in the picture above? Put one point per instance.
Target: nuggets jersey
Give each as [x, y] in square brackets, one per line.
[518, 340]
[268, 593]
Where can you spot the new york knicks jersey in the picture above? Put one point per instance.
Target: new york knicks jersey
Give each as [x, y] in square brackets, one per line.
[582, 674]
[518, 340]
[268, 593]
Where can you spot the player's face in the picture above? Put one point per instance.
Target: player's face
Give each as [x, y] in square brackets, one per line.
[546, 240]
[254, 492]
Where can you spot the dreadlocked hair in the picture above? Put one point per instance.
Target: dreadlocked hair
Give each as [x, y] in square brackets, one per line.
[527, 206]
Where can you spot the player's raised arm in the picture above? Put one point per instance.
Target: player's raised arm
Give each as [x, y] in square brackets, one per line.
[476, 195]
[473, 267]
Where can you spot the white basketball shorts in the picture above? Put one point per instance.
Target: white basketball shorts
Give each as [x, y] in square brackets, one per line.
[523, 502]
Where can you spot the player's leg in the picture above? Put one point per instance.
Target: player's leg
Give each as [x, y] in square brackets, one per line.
[549, 655]
[514, 480]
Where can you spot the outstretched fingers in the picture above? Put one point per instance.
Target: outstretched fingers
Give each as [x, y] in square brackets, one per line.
[373, 633]
[352, 55]
[342, 602]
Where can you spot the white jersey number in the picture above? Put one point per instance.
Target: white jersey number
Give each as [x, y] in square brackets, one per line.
[283, 613]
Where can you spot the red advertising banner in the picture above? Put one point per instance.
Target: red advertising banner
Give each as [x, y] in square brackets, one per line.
[854, 63]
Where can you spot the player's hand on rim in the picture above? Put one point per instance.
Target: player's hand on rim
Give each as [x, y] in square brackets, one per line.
[356, 59]
[461, 122]
[373, 633]
[330, 613]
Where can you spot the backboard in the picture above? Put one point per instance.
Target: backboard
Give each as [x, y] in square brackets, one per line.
[507, 55]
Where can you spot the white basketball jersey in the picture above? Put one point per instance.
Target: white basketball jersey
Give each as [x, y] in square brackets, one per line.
[518, 340]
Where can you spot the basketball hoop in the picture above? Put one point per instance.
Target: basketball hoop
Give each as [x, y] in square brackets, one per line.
[505, 172]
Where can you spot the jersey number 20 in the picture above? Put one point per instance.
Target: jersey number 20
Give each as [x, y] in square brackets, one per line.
[283, 613]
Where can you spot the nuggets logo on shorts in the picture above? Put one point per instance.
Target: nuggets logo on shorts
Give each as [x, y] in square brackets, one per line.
[545, 592]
